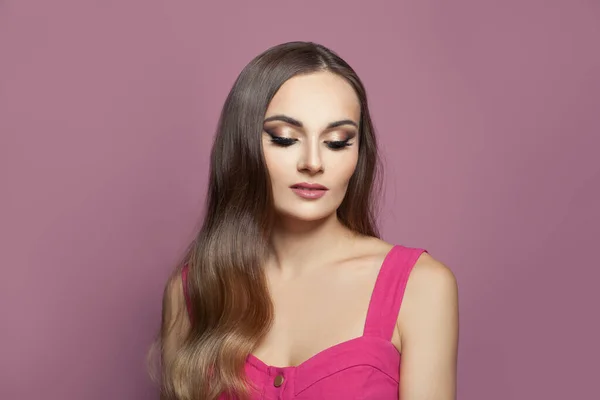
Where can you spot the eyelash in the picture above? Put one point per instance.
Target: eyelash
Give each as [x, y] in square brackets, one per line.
[286, 142]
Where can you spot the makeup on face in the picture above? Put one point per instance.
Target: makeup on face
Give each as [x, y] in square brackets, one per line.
[340, 132]
[311, 136]
[309, 190]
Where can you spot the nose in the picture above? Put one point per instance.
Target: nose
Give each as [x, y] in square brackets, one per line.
[310, 161]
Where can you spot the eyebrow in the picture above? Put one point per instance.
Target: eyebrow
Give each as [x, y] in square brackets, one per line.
[295, 122]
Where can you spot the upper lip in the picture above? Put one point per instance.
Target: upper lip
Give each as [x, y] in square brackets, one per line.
[306, 185]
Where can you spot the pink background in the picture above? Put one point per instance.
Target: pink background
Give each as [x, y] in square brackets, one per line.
[487, 113]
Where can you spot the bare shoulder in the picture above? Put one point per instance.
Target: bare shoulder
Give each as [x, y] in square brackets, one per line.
[364, 256]
[173, 294]
[428, 332]
[174, 309]
[371, 248]
[431, 277]
[175, 324]
[430, 298]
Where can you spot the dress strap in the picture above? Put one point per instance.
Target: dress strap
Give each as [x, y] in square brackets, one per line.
[389, 290]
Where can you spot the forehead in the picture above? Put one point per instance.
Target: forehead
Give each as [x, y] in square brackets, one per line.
[316, 99]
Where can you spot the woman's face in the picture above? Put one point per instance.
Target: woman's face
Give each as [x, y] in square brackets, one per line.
[310, 136]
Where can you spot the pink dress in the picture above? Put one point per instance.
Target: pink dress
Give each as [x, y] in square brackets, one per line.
[366, 367]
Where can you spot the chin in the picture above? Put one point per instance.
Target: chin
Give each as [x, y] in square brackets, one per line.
[312, 214]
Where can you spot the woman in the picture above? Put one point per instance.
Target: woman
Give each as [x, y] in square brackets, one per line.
[287, 291]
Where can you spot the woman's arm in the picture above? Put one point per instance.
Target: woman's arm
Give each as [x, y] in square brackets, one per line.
[428, 327]
[175, 321]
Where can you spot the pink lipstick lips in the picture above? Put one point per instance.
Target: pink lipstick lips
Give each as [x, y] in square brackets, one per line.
[309, 190]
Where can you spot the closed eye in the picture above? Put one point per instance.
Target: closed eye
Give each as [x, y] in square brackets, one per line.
[338, 144]
[286, 142]
[281, 141]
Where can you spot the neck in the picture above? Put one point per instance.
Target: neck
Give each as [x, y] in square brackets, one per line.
[299, 245]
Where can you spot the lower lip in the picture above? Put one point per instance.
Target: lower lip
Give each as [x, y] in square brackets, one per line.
[309, 193]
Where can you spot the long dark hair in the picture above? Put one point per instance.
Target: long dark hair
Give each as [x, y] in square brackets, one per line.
[231, 310]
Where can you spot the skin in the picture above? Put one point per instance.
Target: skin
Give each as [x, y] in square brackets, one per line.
[320, 274]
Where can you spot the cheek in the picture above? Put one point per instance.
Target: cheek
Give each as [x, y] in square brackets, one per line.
[347, 169]
[276, 164]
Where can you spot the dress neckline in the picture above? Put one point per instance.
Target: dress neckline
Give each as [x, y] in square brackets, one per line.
[257, 362]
